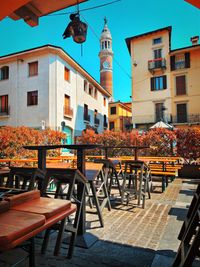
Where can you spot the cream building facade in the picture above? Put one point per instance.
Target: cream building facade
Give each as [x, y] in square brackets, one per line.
[165, 82]
[44, 87]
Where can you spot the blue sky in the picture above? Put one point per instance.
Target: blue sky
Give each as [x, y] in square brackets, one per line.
[126, 18]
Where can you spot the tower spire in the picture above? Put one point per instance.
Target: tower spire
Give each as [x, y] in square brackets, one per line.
[106, 58]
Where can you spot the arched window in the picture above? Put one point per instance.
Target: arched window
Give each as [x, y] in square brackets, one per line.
[4, 73]
[102, 45]
[108, 44]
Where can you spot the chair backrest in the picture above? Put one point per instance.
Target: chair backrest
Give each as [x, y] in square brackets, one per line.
[25, 178]
[65, 183]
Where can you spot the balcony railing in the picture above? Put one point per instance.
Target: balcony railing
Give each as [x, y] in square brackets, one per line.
[150, 119]
[96, 121]
[158, 63]
[105, 124]
[192, 118]
[68, 111]
[86, 118]
[179, 65]
[4, 111]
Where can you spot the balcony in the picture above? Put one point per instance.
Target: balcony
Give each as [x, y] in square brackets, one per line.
[151, 119]
[157, 64]
[4, 112]
[86, 118]
[68, 111]
[105, 125]
[189, 119]
[96, 121]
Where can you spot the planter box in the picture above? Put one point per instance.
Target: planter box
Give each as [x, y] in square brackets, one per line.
[189, 171]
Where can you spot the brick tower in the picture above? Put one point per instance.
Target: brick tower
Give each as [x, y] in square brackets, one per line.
[106, 58]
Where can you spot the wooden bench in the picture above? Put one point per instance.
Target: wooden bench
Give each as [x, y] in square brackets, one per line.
[23, 216]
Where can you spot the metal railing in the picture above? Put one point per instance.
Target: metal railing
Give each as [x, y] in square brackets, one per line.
[158, 63]
[86, 117]
[96, 121]
[105, 124]
[191, 118]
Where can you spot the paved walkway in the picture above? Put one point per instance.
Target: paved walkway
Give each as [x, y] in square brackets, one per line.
[131, 236]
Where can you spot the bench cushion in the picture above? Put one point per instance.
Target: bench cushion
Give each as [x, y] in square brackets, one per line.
[45, 206]
[15, 224]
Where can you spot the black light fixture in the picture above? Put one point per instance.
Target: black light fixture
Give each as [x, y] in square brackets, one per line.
[76, 28]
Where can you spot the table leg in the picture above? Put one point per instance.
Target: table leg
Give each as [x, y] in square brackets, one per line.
[42, 159]
[84, 240]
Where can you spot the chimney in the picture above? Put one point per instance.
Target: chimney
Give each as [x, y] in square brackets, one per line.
[194, 40]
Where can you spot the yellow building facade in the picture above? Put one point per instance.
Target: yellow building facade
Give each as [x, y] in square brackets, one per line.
[165, 82]
[120, 116]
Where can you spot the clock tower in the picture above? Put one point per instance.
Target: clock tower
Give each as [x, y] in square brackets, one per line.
[106, 58]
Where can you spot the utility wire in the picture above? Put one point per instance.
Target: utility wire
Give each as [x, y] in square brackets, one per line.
[84, 9]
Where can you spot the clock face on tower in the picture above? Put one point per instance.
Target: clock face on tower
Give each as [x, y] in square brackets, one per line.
[106, 64]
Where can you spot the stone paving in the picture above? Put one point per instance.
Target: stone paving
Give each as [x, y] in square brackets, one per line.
[131, 236]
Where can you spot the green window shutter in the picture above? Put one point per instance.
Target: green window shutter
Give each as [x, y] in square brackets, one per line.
[165, 82]
[152, 84]
[187, 59]
[172, 63]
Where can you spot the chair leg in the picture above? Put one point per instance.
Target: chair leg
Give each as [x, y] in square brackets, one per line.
[32, 253]
[97, 204]
[45, 241]
[60, 237]
[71, 244]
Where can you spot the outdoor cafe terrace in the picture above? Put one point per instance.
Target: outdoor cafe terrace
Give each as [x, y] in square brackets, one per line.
[121, 211]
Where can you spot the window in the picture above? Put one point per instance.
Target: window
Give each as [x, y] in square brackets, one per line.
[159, 108]
[104, 102]
[33, 68]
[4, 104]
[90, 89]
[67, 74]
[158, 83]
[157, 53]
[95, 93]
[181, 113]
[157, 40]
[180, 85]
[112, 125]
[113, 110]
[68, 111]
[32, 98]
[86, 117]
[180, 61]
[108, 44]
[105, 124]
[4, 75]
[85, 85]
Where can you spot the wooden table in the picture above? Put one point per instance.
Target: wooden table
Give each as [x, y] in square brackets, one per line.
[81, 166]
[135, 148]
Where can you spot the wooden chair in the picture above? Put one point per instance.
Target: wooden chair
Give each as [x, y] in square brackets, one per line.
[189, 235]
[97, 176]
[65, 181]
[139, 182]
[25, 178]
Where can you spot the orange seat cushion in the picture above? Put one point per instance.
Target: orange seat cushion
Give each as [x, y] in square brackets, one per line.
[15, 224]
[45, 206]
